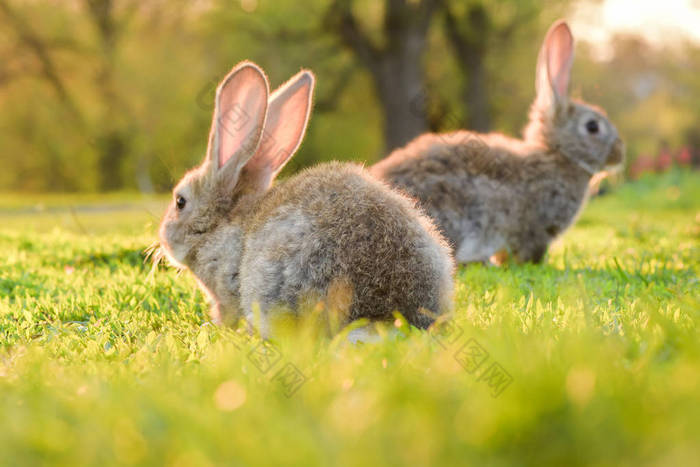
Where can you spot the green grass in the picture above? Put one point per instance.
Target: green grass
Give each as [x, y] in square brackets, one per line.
[104, 362]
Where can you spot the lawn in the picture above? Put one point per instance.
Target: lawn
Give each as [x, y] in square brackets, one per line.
[592, 358]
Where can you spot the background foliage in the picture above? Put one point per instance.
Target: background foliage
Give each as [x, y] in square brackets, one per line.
[110, 95]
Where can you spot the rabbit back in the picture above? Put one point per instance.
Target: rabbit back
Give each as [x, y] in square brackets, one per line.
[334, 233]
[470, 185]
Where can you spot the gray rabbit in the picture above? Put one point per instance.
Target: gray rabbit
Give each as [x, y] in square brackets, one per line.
[331, 232]
[491, 195]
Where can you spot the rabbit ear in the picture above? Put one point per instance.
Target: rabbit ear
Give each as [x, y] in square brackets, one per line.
[287, 116]
[238, 121]
[554, 64]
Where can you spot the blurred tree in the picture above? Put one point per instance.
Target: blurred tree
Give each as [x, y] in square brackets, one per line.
[475, 29]
[395, 63]
[40, 50]
[117, 94]
[108, 134]
[112, 140]
[28, 55]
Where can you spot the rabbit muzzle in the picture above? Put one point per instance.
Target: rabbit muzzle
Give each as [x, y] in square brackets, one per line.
[172, 242]
[617, 154]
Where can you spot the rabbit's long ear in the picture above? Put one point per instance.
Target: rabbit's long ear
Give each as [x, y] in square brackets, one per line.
[238, 121]
[287, 116]
[554, 65]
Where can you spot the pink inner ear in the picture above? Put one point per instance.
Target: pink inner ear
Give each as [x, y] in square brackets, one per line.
[560, 47]
[242, 101]
[287, 134]
[232, 124]
[287, 116]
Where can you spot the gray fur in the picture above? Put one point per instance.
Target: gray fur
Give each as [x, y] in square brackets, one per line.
[331, 233]
[490, 194]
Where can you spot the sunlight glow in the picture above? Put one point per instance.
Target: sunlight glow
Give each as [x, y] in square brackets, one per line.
[660, 23]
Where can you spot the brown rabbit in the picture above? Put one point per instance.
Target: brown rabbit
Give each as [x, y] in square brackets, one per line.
[331, 232]
[492, 194]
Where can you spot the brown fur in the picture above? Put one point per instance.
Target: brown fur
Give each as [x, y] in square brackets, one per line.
[330, 232]
[489, 193]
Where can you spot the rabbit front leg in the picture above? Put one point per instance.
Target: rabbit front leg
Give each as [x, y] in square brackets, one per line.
[259, 292]
[222, 315]
[477, 249]
[531, 246]
[499, 258]
[270, 282]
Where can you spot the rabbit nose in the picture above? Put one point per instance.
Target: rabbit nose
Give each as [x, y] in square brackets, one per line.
[617, 153]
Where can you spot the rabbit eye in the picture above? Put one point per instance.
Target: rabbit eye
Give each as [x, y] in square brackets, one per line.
[180, 202]
[592, 126]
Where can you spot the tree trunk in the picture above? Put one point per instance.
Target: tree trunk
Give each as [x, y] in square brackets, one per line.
[475, 93]
[395, 67]
[470, 46]
[398, 77]
[111, 146]
[113, 140]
